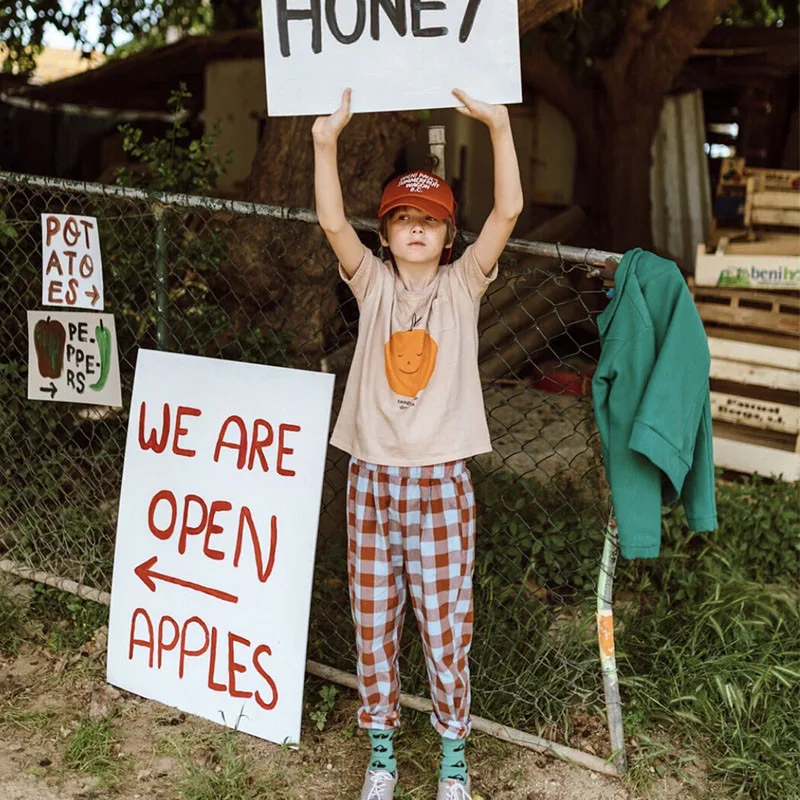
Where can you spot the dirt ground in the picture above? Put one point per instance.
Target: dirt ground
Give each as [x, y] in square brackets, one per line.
[539, 434]
[45, 696]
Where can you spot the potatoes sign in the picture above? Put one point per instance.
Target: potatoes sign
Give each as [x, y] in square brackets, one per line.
[395, 54]
[215, 540]
[72, 271]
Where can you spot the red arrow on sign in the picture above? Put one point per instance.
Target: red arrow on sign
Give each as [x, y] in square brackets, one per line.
[146, 573]
[94, 295]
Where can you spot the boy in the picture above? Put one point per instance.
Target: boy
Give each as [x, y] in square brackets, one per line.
[412, 413]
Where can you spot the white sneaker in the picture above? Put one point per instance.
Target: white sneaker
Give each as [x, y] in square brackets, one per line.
[378, 785]
[454, 790]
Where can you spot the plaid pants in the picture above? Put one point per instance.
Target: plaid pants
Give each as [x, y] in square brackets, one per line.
[412, 529]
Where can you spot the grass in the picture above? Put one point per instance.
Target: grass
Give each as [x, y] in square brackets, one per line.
[226, 774]
[68, 621]
[723, 677]
[13, 619]
[89, 750]
[28, 721]
[708, 640]
[58, 620]
[708, 646]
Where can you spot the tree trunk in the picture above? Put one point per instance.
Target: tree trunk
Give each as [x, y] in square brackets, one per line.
[622, 175]
[282, 272]
[615, 122]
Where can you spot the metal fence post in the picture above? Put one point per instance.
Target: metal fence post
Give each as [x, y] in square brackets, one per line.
[605, 635]
[436, 144]
[162, 293]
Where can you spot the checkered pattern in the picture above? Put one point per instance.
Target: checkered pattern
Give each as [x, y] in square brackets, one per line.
[412, 529]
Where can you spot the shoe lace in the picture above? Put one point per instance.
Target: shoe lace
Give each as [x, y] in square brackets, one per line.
[379, 781]
[457, 791]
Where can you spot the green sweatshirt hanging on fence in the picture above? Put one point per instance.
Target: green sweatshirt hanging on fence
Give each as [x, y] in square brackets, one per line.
[651, 402]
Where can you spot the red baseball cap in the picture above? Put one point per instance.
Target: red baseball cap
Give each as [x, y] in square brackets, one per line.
[422, 190]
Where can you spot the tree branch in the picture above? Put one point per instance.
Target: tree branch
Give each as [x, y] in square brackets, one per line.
[676, 31]
[533, 13]
[637, 27]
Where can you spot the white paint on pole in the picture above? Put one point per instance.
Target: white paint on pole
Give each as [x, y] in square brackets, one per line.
[72, 268]
[72, 358]
[394, 54]
[216, 534]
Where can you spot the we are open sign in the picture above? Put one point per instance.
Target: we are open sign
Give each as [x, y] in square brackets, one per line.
[394, 54]
[215, 541]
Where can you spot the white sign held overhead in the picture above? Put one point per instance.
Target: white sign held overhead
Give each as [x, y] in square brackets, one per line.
[72, 269]
[72, 358]
[216, 535]
[395, 54]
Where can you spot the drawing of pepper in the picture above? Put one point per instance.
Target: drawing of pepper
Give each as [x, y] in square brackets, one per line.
[102, 336]
[49, 337]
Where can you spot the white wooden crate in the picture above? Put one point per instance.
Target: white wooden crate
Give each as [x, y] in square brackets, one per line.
[745, 426]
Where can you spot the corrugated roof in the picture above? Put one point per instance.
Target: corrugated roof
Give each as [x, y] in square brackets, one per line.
[145, 79]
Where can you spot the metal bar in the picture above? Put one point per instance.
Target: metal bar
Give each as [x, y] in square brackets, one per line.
[605, 636]
[95, 112]
[162, 291]
[65, 584]
[421, 704]
[495, 729]
[577, 255]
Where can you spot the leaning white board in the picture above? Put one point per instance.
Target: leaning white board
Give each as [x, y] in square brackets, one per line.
[216, 535]
[72, 358]
[394, 54]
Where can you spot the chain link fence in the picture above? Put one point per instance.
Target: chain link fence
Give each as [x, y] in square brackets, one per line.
[229, 280]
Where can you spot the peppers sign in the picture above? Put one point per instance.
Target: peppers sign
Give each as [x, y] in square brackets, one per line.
[72, 270]
[72, 357]
[394, 54]
[216, 533]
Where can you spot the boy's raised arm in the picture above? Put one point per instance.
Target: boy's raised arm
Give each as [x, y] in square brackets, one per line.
[328, 189]
[508, 199]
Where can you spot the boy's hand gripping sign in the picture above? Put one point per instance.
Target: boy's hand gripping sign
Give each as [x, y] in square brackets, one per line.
[394, 54]
[215, 541]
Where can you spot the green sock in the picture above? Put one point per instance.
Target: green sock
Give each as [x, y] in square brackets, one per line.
[454, 762]
[382, 756]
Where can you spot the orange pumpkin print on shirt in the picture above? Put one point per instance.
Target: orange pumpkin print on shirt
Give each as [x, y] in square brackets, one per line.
[410, 359]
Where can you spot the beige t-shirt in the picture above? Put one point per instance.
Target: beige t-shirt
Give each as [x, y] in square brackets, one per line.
[413, 396]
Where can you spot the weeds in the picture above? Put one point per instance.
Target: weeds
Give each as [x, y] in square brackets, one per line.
[28, 722]
[13, 621]
[724, 676]
[708, 649]
[708, 641]
[68, 621]
[89, 749]
[324, 705]
[226, 775]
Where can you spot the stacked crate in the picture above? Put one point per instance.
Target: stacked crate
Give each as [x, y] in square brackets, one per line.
[747, 291]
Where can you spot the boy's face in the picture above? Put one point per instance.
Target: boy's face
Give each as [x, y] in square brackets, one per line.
[414, 236]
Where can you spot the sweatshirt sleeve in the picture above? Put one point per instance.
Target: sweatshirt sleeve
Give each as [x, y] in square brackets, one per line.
[668, 417]
[635, 482]
[699, 500]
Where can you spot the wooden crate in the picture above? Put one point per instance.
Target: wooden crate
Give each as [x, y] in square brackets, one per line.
[781, 209]
[755, 407]
[761, 265]
[773, 312]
